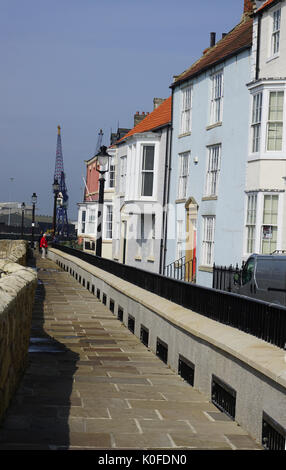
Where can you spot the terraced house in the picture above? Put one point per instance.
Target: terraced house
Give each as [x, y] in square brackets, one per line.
[142, 175]
[210, 102]
[266, 167]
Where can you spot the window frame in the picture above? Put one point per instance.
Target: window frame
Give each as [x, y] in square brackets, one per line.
[186, 109]
[145, 171]
[208, 242]
[183, 177]
[256, 120]
[108, 221]
[275, 33]
[216, 104]
[278, 124]
[212, 170]
[251, 221]
[123, 174]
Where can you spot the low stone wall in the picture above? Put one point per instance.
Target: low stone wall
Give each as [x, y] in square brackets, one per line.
[14, 250]
[17, 292]
[252, 369]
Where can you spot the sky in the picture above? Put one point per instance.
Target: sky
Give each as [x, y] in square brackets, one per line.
[88, 65]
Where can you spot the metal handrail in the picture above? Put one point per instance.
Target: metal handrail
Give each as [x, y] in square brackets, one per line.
[256, 317]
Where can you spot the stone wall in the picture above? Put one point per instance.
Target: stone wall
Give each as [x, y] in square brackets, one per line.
[17, 292]
[254, 369]
[14, 250]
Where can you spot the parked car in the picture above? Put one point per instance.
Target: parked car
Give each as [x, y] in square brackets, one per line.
[263, 277]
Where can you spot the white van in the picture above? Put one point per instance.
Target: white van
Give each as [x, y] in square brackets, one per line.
[264, 277]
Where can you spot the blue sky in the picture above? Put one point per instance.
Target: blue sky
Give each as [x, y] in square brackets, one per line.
[86, 65]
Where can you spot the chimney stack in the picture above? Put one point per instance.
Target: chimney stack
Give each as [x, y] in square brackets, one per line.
[157, 102]
[138, 117]
[212, 39]
[249, 6]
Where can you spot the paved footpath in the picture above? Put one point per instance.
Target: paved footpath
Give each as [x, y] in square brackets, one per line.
[91, 384]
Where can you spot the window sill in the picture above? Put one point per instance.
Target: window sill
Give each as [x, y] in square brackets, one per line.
[208, 269]
[151, 259]
[185, 134]
[180, 201]
[138, 258]
[273, 57]
[209, 198]
[212, 126]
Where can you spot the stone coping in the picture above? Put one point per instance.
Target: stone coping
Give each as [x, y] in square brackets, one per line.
[264, 357]
[16, 277]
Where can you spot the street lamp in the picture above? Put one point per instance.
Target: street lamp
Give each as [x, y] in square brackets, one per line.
[23, 205]
[103, 159]
[56, 188]
[34, 200]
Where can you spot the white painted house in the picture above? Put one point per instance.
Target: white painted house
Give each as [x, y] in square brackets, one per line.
[142, 157]
[265, 227]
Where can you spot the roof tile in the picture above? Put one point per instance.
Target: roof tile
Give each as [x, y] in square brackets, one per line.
[238, 38]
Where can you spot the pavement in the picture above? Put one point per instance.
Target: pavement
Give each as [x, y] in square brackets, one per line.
[91, 384]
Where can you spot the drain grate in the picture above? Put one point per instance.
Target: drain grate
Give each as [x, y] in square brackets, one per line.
[162, 350]
[120, 313]
[273, 434]
[144, 335]
[186, 370]
[131, 323]
[223, 396]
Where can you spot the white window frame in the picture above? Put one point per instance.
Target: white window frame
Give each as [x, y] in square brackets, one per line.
[216, 108]
[186, 109]
[275, 35]
[256, 121]
[275, 126]
[123, 173]
[83, 220]
[267, 228]
[146, 171]
[184, 163]
[108, 221]
[208, 240]
[213, 170]
[111, 174]
[251, 218]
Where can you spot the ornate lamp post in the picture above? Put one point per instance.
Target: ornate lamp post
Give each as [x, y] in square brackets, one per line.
[56, 188]
[34, 201]
[23, 205]
[103, 159]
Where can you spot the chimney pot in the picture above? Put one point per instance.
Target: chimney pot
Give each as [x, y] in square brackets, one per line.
[212, 39]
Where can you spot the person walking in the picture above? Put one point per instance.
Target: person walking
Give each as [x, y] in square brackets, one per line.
[43, 245]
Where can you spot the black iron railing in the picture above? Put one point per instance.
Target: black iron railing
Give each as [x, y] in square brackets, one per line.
[224, 277]
[181, 270]
[256, 317]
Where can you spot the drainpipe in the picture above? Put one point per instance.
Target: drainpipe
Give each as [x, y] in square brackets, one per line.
[163, 247]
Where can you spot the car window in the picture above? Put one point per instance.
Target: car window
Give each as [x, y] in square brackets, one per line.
[247, 271]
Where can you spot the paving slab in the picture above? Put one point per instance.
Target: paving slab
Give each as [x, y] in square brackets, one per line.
[91, 384]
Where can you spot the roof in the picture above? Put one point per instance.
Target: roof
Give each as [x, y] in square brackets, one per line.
[239, 38]
[161, 116]
[268, 3]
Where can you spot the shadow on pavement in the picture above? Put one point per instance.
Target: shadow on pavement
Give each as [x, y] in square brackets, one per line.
[38, 416]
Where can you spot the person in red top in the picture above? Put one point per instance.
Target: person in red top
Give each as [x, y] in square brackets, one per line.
[43, 245]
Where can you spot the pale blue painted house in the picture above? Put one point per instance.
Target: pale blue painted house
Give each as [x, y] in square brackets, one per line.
[210, 103]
